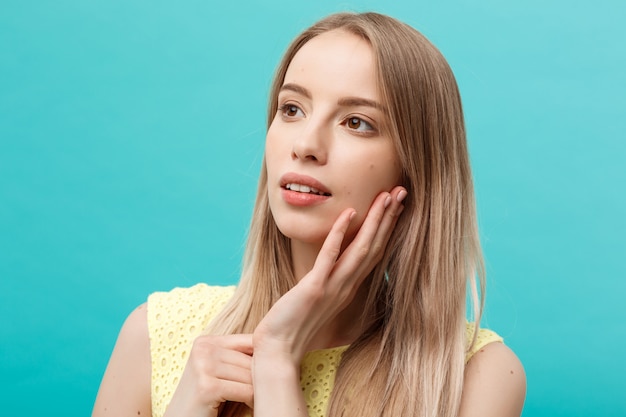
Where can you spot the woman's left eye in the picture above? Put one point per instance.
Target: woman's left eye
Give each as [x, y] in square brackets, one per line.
[358, 124]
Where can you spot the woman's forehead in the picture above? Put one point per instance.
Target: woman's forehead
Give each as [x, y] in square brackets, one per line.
[337, 59]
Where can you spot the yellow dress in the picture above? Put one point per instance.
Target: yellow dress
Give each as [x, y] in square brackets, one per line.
[177, 317]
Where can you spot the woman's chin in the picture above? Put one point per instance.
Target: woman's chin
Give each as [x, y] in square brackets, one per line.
[314, 238]
[308, 237]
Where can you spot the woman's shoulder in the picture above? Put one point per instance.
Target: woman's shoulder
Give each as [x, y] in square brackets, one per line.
[495, 382]
[483, 338]
[125, 385]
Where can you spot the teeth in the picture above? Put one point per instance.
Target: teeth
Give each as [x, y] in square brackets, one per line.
[304, 189]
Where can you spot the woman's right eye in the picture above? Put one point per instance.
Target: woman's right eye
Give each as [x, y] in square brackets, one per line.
[291, 110]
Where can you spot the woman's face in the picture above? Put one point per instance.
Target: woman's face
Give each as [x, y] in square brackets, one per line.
[326, 149]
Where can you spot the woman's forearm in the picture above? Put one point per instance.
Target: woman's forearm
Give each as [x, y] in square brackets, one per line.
[277, 391]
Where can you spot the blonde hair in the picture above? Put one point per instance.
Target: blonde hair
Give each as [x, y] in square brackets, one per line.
[410, 361]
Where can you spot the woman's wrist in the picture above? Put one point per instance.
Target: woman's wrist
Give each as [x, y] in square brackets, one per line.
[275, 364]
[277, 351]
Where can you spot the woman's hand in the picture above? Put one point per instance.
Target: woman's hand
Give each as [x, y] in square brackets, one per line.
[218, 370]
[292, 323]
[287, 330]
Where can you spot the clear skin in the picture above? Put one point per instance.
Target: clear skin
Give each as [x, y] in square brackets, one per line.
[338, 142]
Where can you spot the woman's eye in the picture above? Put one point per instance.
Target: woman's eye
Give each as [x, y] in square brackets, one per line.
[358, 124]
[291, 110]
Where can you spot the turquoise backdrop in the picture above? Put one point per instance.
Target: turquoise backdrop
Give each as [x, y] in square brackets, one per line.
[130, 139]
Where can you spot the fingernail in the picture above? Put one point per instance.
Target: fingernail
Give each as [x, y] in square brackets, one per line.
[401, 196]
[353, 215]
[387, 201]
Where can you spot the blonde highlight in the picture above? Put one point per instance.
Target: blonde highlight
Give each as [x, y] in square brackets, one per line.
[412, 355]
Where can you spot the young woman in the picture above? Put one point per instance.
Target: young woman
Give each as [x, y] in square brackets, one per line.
[362, 244]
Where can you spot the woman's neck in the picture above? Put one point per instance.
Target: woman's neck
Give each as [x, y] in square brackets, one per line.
[303, 256]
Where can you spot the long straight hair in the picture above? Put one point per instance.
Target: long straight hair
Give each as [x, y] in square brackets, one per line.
[410, 361]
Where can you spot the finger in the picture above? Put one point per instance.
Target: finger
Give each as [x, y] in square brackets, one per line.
[234, 363]
[231, 372]
[236, 392]
[388, 222]
[331, 248]
[211, 352]
[238, 342]
[360, 247]
[368, 246]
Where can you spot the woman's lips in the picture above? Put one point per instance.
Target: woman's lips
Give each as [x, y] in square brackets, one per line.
[299, 180]
[302, 190]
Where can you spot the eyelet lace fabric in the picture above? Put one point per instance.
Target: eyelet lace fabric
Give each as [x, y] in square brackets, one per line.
[177, 317]
[483, 338]
[317, 378]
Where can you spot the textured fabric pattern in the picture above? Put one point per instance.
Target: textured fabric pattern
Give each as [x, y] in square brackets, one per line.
[483, 338]
[317, 378]
[318, 369]
[177, 317]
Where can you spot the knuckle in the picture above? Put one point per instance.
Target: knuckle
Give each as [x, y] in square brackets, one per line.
[204, 355]
[362, 252]
[203, 344]
[376, 249]
[208, 387]
[316, 289]
[333, 253]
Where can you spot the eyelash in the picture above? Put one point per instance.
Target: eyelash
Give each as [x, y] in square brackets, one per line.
[361, 121]
[289, 106]
[283, 108]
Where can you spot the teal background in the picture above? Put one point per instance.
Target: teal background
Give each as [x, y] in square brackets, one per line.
[131, 134]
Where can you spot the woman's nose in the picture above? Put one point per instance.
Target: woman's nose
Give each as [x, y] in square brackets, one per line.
[312, 143]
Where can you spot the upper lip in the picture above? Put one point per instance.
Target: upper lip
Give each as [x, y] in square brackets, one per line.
[293, 178]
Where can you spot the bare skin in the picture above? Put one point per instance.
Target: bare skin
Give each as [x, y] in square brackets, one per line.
[494, 385]
[221, 368]
[125, 387]
[301, 316]
[325, 129]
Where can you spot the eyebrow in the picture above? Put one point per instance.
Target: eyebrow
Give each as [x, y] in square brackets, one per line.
[358, 101]
[344, 102]
[296, 89]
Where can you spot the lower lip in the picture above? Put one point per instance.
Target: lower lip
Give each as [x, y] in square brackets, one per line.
[302, 199]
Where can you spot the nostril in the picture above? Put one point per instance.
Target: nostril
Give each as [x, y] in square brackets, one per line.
[307, 150]
[306, 157]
